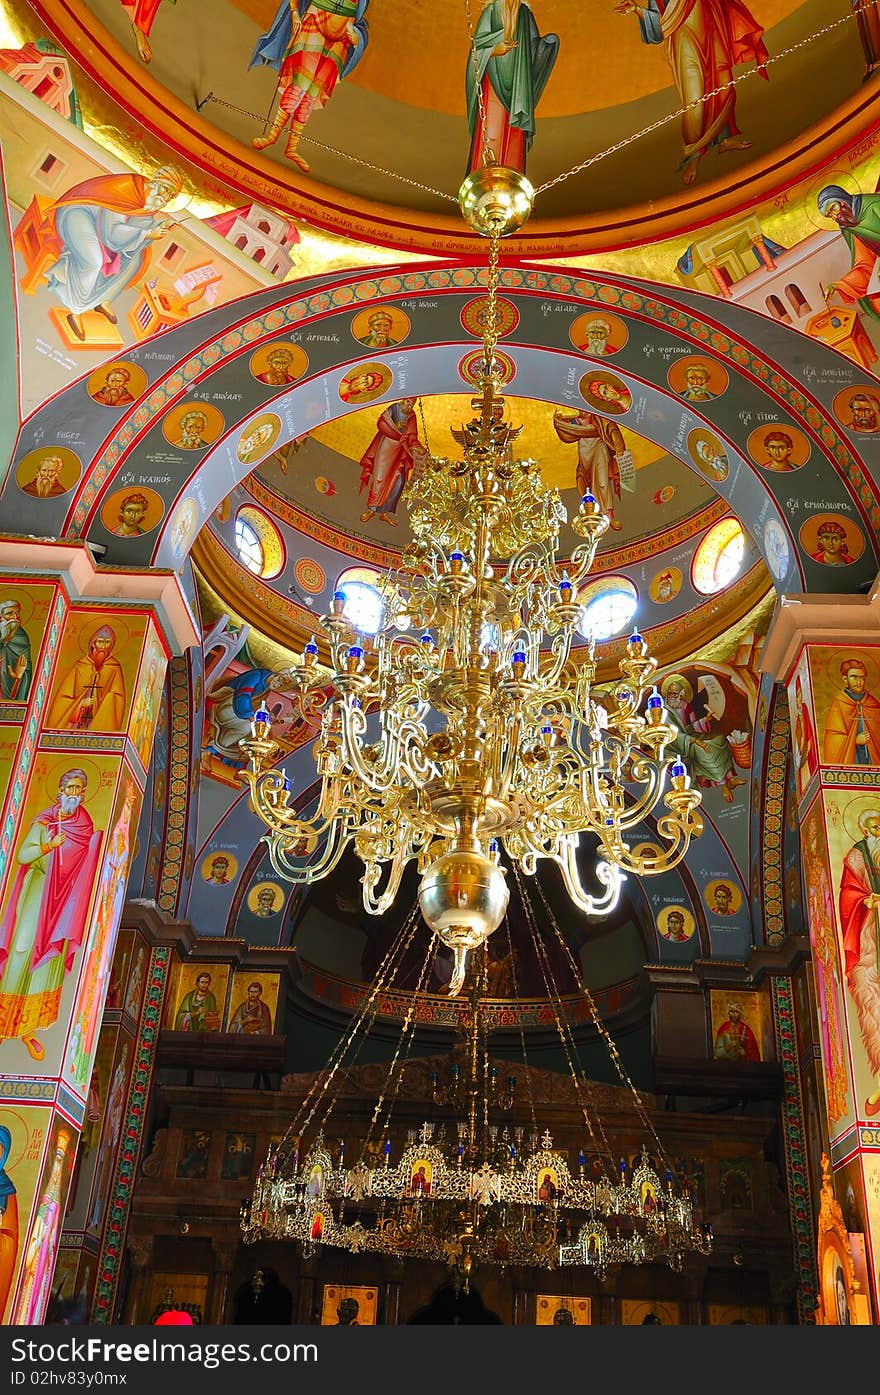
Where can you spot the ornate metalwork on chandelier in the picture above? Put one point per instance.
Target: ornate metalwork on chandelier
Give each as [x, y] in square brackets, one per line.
[469, 722]
[468, 1191]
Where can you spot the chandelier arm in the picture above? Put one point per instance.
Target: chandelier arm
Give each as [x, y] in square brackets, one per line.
[353, 722]
[581, 561]
[334, 846]
[608, 873]
[403, 855]
[561, 650]
[629, 815]
[510, 756]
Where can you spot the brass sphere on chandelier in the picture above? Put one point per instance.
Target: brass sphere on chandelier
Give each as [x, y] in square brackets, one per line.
[496, 201]
[463, 898]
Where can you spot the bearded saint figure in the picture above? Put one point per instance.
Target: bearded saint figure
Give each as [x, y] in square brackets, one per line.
[45, 917]
[91, 696]
[101, 232]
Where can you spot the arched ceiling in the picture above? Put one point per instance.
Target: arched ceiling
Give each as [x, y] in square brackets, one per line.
[612, 78]
[216, 370]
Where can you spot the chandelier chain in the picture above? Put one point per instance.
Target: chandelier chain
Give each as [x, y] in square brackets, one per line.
[394, 1078]
[490, 331]
[369, 1017]
[487, 155]
[610, 1043]
[381, 980]
[581, 1081]
[522, 1035]
[568, 1046]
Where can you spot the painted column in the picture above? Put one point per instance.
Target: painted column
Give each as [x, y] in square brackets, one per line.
[82, 661]
[826, 650]
[761, 251]
[715, 272]
[129, 1143]
[109, 1085]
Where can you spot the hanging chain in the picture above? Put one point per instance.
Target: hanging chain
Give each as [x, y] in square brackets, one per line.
[522, 1034]
[490, 328]
[488, 154]
[610, 1043]
[394, 1081]
[420, 402]
[320, 1087]
[563, 1030]
[334, 150]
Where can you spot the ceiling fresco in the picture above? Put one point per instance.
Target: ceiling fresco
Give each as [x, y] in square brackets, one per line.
[647, 493]
[160, 466]
[317, 98]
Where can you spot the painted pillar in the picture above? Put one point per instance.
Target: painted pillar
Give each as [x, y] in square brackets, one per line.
[129, 1143]
[826, 650]
[761, 251]
[108, 1090]
[82, 662]
[715, 272]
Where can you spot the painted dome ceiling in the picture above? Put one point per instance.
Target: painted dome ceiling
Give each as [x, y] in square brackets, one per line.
[589, 79]
[309, 503]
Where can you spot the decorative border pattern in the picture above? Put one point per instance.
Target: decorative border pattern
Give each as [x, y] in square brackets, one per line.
[794, 1138]
[773, 821]
[27, 1089]
[435, 1010]
[179, 732]
[867, 779]
[131, 1140]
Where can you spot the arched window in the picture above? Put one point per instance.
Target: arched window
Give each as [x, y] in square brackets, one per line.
[796, 299]
[608, 606]
[263, 227]
[719, 557]
[259, 254]
[258, 542]
[241, 242]
[776, 308]
[248, 546]
[363, 598]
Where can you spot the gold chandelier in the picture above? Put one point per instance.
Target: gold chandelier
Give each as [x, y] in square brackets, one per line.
[467, 1188]
[468, 724]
